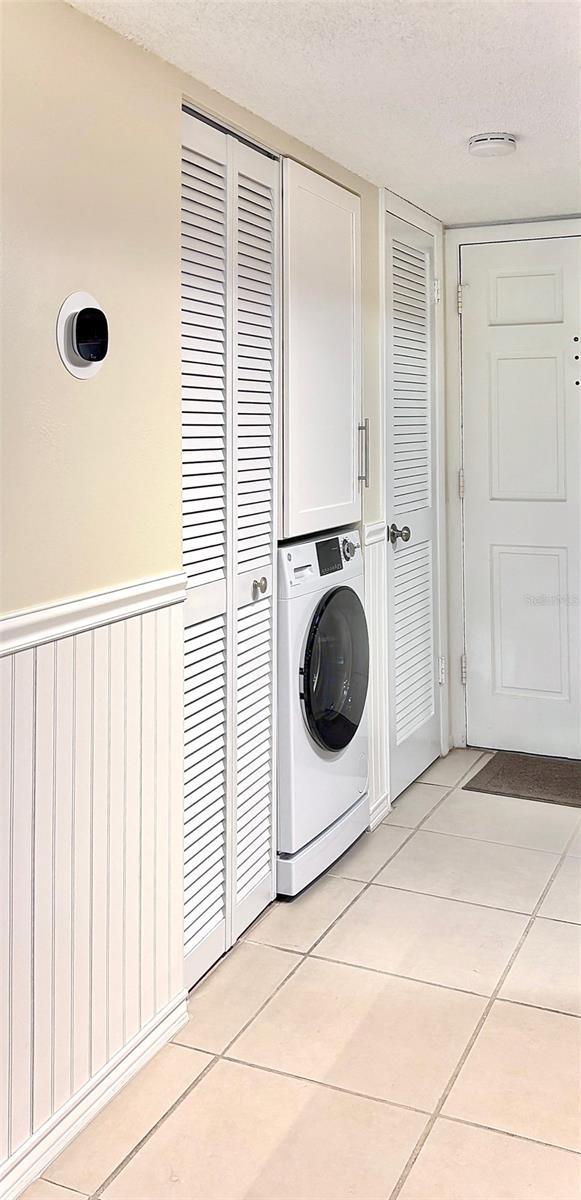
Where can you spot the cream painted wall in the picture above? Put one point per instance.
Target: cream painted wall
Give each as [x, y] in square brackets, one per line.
[90, 187]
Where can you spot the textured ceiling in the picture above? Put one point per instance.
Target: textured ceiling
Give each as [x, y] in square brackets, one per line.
[393, 89]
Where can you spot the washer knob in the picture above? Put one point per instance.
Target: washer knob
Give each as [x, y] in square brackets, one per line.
[349, 549]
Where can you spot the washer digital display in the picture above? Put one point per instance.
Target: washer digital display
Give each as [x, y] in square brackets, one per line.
[329, 556]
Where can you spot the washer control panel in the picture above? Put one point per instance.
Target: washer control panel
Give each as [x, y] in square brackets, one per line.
[302, 565]
[329, 556]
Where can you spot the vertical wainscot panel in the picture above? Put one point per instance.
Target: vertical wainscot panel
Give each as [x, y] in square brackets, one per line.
[91, 864]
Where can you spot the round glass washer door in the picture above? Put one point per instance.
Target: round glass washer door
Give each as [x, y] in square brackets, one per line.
[335, 671]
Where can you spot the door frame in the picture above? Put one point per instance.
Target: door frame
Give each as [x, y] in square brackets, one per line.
[395, 206]
[455, 239]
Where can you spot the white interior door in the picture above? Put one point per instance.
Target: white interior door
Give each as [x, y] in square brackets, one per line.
[414, 720]
[322, 362]
[521, 402]
[230, 201]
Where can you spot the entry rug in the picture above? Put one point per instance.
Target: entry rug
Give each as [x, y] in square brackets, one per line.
[530, 777]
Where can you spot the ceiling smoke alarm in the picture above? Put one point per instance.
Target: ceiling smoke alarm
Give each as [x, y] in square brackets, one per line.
[489, 145]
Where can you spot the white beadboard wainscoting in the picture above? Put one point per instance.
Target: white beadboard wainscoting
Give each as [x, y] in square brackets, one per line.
[91, 873]
[375, 541]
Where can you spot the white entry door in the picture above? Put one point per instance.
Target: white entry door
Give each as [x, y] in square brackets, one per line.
[411, 505]
[521, 402]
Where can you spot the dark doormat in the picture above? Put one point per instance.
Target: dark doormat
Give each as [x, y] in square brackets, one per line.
[530, 777]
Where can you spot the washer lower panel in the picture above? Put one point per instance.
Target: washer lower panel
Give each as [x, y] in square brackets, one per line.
[295, 871]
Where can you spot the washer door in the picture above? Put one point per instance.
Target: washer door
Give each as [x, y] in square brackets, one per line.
[335, 672]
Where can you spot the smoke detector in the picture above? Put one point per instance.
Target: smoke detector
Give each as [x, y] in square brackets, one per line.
[490, 145]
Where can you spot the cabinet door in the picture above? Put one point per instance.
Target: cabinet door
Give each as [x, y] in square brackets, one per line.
[322, 339]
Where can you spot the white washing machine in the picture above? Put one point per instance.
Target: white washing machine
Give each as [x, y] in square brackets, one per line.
[323, 675]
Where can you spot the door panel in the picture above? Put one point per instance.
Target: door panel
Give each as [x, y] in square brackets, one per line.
[230, 202]
[411, 492]
[254, 376]
[322, 387]
[522, 509]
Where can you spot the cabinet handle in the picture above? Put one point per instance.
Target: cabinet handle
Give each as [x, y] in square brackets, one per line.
[259, 587]
[363, 428]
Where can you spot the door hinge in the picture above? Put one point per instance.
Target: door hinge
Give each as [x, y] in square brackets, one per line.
[459, 298]
[441, 671]
[437, 291]
[461, 483]
[463, 670]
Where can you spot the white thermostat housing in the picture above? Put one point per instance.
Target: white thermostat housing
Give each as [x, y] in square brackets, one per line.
[67, 343]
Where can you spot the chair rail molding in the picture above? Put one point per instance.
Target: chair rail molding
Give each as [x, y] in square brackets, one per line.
[31, 627]
[375, 542]
[91, 859]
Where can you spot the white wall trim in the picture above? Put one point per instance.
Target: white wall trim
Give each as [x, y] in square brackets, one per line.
[379, 810]
[374, 532]
[454, 240]
[392, 203]
[42, 1148]
[375, 542]
[33, 627]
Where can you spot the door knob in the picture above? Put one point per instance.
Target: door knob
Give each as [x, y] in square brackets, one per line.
[259, 587]
[394, 533]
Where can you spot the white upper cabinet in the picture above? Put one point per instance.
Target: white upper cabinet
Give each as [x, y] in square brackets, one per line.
[322, 451]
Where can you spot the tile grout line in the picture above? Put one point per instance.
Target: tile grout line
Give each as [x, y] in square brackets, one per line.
[467, 837]
[515, 912]
[301, 955]
[65, 1186]
[140, 1144]
[518, 1137]
[371, 882]
[216, 1057]
[368, 883]
[477, 1030]
[326, 1084]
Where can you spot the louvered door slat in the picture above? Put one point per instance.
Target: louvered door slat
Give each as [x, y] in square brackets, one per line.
[410, 377]
[204, 780]
[204, 248]
[413, 639]
[254, 372]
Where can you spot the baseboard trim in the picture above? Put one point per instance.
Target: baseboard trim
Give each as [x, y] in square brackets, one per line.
[33, 627]
[51, 1139]
[379, 811]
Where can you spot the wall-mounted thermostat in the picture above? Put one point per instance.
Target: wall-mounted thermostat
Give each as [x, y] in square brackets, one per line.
[82, 335]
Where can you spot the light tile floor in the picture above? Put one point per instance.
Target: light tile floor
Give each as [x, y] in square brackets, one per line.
[410, 1026]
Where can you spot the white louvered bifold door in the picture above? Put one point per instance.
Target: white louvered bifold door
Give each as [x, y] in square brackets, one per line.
[229, 230]
[411, 492]
[205, 482]
[254, 416]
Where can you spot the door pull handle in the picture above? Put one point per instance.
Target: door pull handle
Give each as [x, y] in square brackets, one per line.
[363, 428]
[259, 587]
[404, 533]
